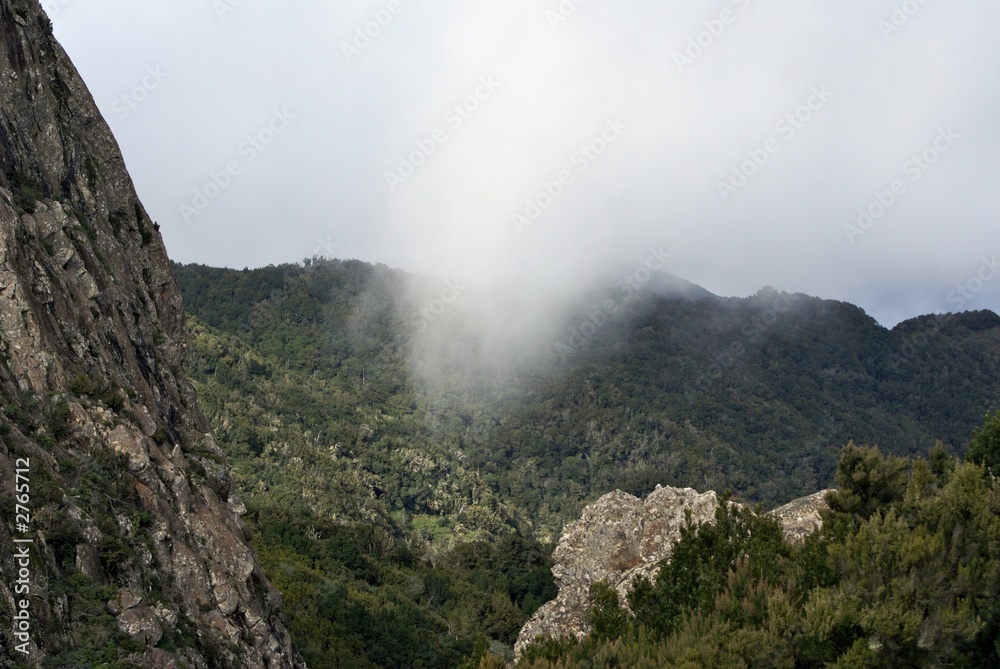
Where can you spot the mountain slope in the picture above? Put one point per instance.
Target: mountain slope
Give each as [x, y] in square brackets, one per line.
[353, 400]
[136, 556]
[756, 395]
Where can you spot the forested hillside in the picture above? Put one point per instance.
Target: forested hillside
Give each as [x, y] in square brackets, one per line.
[345, 428]
[755, 395]
[904, 573]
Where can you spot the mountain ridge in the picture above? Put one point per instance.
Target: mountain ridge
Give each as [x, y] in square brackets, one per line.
[736, 376]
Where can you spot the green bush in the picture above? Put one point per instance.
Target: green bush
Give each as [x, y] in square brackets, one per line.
[916, 583]
[82, 385]
[26, 192]
[985, 446]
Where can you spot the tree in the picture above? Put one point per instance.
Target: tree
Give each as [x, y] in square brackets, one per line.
[867, 480]
[985, 446]
[608, 619]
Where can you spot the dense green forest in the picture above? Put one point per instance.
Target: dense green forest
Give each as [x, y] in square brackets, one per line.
[904, 573]
[315, 378]
[755, 395]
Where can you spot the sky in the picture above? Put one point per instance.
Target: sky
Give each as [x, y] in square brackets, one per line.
[847, 150]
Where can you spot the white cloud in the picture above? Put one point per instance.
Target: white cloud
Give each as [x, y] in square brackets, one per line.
[325, 177]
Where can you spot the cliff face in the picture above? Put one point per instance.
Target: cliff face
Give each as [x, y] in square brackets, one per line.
[620, 537]
[136, 553]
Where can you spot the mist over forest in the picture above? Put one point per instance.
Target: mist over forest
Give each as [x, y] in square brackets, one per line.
[567, 336]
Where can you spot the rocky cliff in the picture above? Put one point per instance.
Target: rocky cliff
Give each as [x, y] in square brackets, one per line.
[621, 537]
[121, 542]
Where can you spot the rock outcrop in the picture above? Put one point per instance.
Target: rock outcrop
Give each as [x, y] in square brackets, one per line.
[137, 545]
[621, 537]
[801, 517]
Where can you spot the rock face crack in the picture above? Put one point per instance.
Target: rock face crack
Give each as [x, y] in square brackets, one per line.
[620, 537]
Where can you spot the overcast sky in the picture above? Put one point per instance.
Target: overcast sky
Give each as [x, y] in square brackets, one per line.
[849, 150]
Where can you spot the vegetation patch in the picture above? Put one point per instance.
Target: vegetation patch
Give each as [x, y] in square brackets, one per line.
[906, 572]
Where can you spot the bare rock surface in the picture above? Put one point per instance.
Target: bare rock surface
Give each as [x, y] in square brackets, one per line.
[621, 537]
[92, 344]
[801, 517]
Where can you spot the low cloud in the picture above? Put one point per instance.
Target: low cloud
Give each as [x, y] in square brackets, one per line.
[727, 96]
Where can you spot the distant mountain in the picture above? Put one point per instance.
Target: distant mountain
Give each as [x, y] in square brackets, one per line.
[754, 394]
[672, 286]
[657, 281]
[349, 395]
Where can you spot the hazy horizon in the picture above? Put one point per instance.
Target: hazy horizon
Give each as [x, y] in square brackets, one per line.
[843, 152]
